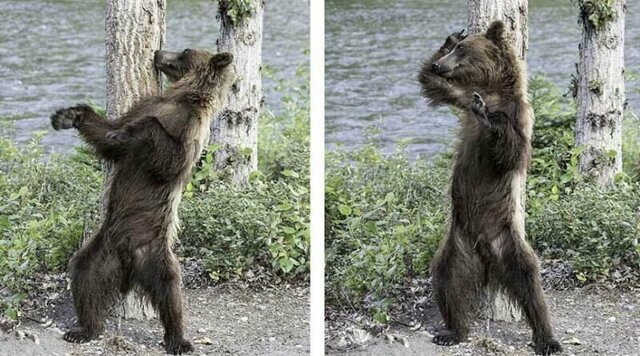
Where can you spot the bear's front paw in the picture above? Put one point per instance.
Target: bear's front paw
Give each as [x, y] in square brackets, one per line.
[447, 338]
[452, 40]
[64, 119]
[479, 108]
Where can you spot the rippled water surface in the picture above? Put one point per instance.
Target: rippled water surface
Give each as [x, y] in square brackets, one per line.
[374, 49]
[52, 53]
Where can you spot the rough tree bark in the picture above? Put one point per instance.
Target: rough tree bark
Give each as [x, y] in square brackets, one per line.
[135, 29]
[514, 14]
[600, 94]
[235, 131]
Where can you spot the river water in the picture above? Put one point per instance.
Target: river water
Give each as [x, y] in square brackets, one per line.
[52, 54]
[374, 49]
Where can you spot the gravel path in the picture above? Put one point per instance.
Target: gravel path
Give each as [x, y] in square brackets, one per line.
[588, 322]
[221, 320]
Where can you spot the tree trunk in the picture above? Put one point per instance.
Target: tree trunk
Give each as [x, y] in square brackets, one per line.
[514, 14]
[235, 130]
[600, 96]
[135, 29]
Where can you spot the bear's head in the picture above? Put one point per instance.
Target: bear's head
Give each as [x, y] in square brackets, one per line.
[477, 59]
[195, 67]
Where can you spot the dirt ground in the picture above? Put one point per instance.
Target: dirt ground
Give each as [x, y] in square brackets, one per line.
[224, 320]
[587, 322]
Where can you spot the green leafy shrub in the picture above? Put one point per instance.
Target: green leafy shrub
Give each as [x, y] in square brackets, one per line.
[631, 146]
[46, 205]
[266, 223]
[597, 231]
[384, 219]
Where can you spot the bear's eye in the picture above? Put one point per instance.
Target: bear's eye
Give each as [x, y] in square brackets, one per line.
[461, 48]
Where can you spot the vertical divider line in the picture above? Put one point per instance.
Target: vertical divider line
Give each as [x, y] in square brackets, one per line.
[316, 25]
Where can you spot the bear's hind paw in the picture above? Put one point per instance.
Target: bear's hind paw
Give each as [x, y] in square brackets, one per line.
[178, 347]
[547, 347]
[447, 338]
[77, 336]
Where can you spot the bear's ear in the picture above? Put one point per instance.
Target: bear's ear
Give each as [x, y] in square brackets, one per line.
[221, 59]
[495, 32]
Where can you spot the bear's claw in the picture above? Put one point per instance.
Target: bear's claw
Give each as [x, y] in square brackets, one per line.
[452, 40]
[547, 347]
[446, 338]
[479, 108]
[118, 136]
[178, 347]
[67, 118]
[77, 336]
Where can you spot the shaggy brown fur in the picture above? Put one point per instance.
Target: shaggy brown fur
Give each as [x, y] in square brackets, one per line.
[486, 245]
[153, 148]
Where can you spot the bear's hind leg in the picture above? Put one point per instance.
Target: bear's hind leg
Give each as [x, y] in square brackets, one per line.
[454, 277]
[159, 277]
[521, 277]
[95, 281]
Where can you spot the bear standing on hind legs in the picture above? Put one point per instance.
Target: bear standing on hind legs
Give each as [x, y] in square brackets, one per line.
[481, 75]
[152, 149]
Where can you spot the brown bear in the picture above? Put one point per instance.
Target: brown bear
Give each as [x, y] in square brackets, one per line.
[152, 149]
[485, 246]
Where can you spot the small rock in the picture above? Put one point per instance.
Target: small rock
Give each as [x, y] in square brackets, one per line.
[570, 331]
[572, 341]
[342, 343]
[405, 342]
[628, 307]
[360, 337]
[203, 341]
[272, 339]
[428, 334]
[389, 338]
[261, 307]
[20, 335]
[611, 319]
[34, 338]
[244, 319]
[57, 330]
[202, 330]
